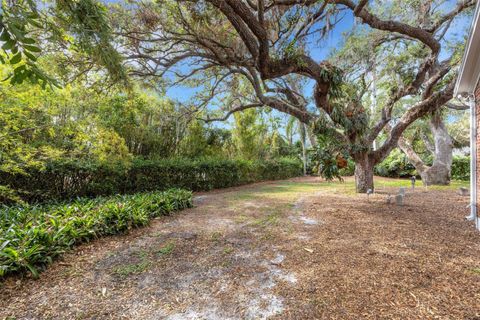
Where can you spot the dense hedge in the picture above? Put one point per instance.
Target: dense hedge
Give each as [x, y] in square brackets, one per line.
[461, 168]
[397, 166]
[32, 235]
[64, 180]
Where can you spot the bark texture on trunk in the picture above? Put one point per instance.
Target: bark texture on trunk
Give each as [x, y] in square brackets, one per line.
[440, 171]
[363, 173]
[436, 175]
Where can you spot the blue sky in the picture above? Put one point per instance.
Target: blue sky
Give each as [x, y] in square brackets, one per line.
[318, 51]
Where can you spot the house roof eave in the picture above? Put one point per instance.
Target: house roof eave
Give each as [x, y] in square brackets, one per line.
[469, 73]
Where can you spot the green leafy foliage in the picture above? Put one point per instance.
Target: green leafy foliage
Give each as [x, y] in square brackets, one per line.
[87, 21]
[461, 168]
[325, 164]
[328, 157]
[39, 126]
[9, 195]
[31, 236]
[74, 141]
[19, 49]
[26, 29]
[70, 179]
[247, 133]
[396, 165]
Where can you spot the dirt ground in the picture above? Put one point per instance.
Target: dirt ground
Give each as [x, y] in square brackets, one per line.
[295, 249]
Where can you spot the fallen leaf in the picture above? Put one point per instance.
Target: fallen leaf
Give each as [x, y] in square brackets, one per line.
[308, 250]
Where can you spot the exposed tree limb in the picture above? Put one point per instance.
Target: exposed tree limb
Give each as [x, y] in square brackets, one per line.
[230, 112]
[457, 106]
[418, 110]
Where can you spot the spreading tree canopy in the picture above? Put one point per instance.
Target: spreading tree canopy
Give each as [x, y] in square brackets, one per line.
[214, 43]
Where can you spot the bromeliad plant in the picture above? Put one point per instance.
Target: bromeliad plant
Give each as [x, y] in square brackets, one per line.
[31, 236]
[328, 158]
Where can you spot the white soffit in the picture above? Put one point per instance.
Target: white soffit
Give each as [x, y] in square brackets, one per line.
[470, 68]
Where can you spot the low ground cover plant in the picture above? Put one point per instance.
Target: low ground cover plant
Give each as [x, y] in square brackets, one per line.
[31, 236]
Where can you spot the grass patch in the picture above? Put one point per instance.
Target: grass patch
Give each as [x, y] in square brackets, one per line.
[269, 220]
[385, 182]
[291, 189]
[134, 268]
[227, 250]
[244, 195]
[130, 269]
[475, 270]
[216, 236]
[167, 249]
[241, 218]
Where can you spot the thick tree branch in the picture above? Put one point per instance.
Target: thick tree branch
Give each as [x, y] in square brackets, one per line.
[393, 26]
[232, 111]
[418, 110]
[456, 106]
[461, 6]
[413, 157]
[360, 6]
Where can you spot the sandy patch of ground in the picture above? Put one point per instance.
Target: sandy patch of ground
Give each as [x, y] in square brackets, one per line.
[297, 249]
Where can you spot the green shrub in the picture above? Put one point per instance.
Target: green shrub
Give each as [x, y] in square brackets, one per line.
[9, 196]
[461, 168]
[31, 236]
[67, 180]
[396, 165]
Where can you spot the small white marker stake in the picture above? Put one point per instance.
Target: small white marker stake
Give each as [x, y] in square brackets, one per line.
[413, 180]
[369, 192]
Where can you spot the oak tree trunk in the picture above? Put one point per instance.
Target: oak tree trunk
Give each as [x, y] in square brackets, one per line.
[440, 171]
[363, 173]
[436, 175]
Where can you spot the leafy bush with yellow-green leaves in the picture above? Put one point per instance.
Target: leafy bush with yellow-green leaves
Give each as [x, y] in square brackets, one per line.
[31, 236]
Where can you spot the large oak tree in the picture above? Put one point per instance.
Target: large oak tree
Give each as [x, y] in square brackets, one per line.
[214, 43]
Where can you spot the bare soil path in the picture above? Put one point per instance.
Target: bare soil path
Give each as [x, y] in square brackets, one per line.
[295, 249]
